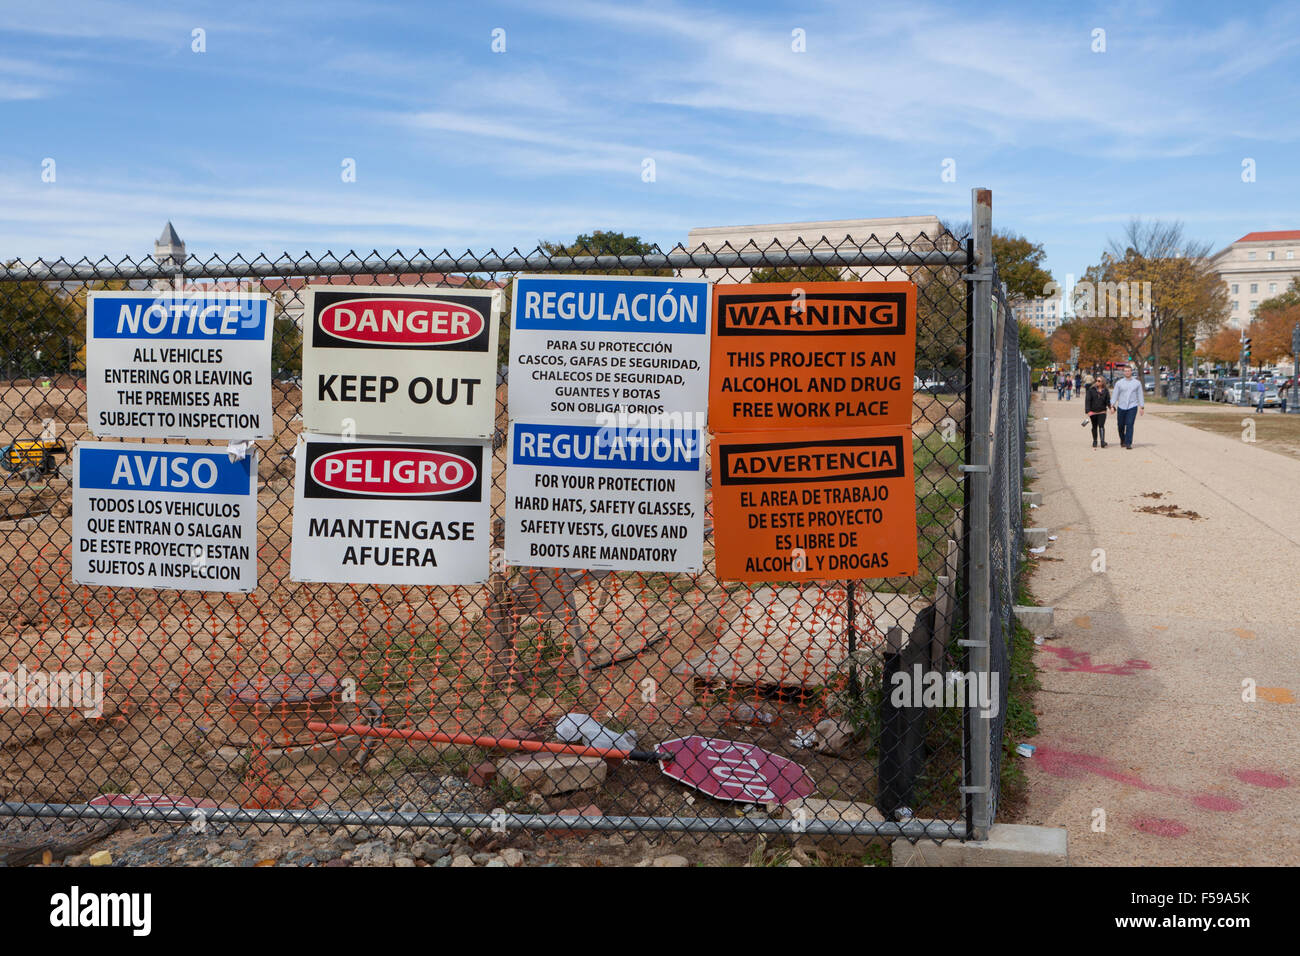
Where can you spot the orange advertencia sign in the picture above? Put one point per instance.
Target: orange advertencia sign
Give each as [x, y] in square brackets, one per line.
[833, 354]
[818, 504]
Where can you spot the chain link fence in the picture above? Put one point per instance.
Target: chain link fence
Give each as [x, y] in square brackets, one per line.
[206, 697]
[1009, 418]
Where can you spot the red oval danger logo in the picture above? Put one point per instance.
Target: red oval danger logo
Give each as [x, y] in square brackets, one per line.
[401, 322]
[393, 471]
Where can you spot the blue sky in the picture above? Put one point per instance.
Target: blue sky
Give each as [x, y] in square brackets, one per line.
[456, 146]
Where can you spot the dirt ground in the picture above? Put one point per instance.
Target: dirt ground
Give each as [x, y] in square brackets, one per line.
[424, 657]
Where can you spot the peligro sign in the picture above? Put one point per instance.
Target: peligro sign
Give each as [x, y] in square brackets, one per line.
[388, 512]
[393, 471]
[401, 322]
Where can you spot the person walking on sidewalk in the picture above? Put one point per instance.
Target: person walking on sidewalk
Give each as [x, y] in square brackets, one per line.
[1261, 390]
[1060, 386]
[1128, 402]
[1094, 405]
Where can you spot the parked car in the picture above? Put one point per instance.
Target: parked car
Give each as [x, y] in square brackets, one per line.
[1201, 388]
[1223, 388]
[1149, 383]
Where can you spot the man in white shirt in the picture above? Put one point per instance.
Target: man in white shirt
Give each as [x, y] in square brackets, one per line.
[1128, 402]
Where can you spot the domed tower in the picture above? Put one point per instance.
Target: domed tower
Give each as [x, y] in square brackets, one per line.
[169, 251]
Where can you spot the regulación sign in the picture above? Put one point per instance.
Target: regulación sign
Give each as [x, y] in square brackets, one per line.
[814, 505]
[588, 346]
[401, 361]
[790, 354]
[154, 516]
[584, 496]
[192, 364]
[380, 512]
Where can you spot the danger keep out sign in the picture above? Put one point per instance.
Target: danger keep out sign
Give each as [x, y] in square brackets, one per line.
[814, 504]
[390, 513]
[179, 365]
[148, 516]
[790, 354]
[623, 499]
[400, 361]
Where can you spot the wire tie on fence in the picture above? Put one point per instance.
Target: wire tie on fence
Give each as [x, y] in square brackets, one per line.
[980, 468]
[974, 789]
[965, 643]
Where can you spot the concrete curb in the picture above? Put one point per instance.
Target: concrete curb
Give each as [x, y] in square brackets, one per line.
[1009, 844]
[1039, 620]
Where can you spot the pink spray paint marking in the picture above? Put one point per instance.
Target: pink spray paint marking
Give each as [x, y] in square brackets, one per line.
[1262, 778]
[1159, 827]
[1063, 763]
[1081, 662]
[1215, 801]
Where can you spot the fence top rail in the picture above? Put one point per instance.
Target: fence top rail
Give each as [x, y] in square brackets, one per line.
[921, 251]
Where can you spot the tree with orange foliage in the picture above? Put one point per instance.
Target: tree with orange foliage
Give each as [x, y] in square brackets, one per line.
[1270, 332]
[1223, 346]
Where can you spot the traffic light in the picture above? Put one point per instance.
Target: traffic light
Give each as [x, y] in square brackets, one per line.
[1245, 348]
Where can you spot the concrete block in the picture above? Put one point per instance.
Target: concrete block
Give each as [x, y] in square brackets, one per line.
[1038, 620]
[817, 808]
[1032, 497]
[1009, 844]
[1029, 472]
[549, 774]
[1035, 537]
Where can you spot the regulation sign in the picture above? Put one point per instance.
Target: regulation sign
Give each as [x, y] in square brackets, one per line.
[814, 505]
[193, 365]
[153, 516]
[402, 361]
[588, 348]
[789, 354]
[583, 496]
[378, 512]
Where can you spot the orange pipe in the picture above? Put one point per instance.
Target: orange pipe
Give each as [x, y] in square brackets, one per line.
[503, 743]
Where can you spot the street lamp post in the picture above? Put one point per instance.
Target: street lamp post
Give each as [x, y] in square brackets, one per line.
[1180, 358]
[1295, 369]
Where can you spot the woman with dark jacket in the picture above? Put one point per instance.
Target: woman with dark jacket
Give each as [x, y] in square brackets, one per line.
[1095, 404]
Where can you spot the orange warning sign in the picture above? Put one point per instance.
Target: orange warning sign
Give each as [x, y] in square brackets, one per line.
[814, 504]
[812, 353]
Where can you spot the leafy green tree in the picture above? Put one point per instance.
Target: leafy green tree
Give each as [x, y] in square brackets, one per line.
[41, 329]
[1020, 267]
[1033, 345]
[1150, 281]
[797, 274]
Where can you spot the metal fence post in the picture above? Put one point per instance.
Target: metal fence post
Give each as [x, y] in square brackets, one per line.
[980, 282]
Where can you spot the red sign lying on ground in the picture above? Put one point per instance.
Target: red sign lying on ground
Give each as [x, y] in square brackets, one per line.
[728, 770]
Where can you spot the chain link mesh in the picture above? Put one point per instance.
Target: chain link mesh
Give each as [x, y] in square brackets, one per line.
[206, 695]
[1010, 411]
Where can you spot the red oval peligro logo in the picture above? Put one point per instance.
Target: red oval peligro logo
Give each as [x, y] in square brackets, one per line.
[393, 471]
[401, 322]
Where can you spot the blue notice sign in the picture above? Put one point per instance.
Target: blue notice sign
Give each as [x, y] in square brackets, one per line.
[590, 446]
[140, 468]
[634, 304]
[601, 349]
[183, 317]
[192, 364]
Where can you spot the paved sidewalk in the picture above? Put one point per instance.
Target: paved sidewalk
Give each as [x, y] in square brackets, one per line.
[1142, 714]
